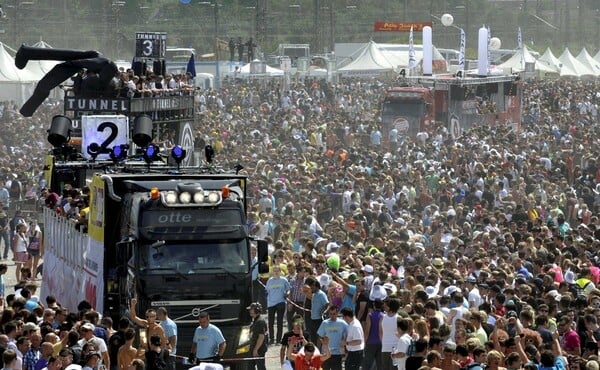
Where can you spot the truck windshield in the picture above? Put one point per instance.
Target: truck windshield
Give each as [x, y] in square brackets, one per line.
[229, 256]
[407, 108]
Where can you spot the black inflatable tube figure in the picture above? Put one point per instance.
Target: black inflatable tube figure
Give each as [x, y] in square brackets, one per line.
[73, 61]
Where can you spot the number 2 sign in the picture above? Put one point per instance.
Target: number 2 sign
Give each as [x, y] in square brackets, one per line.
[107, 131]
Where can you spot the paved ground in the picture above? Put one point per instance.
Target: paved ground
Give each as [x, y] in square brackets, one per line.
[10, 279]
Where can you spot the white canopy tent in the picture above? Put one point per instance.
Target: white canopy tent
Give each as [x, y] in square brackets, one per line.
[374, 59]
[568, 60]
[597, 56]
[369, 61]
[550, 60]
[270, 71]
[515, 62]
[586, 59]
[15, 84]
[41, 67]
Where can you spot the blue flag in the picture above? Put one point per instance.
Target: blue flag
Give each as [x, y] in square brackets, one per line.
[191, 66]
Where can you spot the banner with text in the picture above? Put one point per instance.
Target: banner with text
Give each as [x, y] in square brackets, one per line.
[381, 26]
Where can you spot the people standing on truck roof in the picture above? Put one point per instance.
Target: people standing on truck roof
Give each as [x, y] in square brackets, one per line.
[258, 337]
[240, 49]
[231, 45]
[208, 342]
[150, 325]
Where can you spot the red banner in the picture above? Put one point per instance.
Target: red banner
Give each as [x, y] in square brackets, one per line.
[381, 26]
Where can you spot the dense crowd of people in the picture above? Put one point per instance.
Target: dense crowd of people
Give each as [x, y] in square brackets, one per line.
[441, 253]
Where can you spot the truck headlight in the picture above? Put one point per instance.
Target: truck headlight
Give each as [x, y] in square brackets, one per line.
[185, 197]
[199, 197]
[244, 335]
[171, 197]
[213, 197]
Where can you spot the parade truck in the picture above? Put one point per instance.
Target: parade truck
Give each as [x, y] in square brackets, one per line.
[426, 103]
[169, 234]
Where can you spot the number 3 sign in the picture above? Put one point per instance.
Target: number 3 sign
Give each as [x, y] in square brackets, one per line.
[105, 131]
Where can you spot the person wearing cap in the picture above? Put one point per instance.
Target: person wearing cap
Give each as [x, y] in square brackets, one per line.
[258, 339]
[474, 297]
[66, 358]
[335, 330]
[88, 337]
[92, 361]
[208, 342]
[265, 203]
[367, 274]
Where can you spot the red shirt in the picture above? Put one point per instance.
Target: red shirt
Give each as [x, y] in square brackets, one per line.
[301, 364]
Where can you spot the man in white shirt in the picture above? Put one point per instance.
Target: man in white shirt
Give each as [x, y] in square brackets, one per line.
[87, 334]
[404, 340]
[474, 297]
[355, 340]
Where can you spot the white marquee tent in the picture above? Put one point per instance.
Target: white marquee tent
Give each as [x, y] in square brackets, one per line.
[586, 59]
[368, 61]
[551, 61]
[41, 67]
[515, 62]
[15, 84]
[568, 60]
[373, 59]
[270, 71]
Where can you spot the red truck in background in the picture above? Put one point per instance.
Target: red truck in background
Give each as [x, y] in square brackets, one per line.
[424, 104]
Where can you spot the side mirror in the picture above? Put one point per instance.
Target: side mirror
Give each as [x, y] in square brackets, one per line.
[262, 252]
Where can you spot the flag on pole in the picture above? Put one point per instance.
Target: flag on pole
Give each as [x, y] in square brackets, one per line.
[461, 55]
[412, 60]
[191, 66]
[521, 50]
